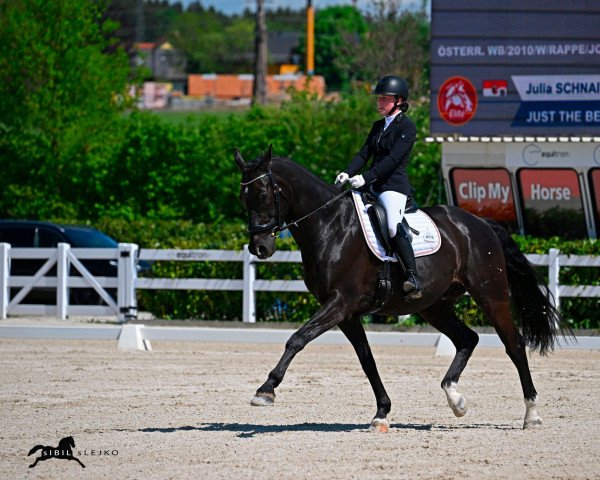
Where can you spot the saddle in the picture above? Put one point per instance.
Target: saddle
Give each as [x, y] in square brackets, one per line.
[378, 217]
[426, 238]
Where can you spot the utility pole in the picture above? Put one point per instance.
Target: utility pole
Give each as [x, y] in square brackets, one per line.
[140, 26]
[259, 90]
[310, 39]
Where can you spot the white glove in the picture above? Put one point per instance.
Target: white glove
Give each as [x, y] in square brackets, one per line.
[357, 181]
[341, 178]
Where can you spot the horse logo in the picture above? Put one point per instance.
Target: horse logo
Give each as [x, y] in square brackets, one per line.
[64, 451]
[457, 100]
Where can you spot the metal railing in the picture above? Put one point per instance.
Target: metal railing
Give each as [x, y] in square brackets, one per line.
[127, 283]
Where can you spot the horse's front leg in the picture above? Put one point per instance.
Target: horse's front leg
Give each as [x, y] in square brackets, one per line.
[327, 317]
[355, 332]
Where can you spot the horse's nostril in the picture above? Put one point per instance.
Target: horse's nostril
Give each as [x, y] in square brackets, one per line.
[261, 251]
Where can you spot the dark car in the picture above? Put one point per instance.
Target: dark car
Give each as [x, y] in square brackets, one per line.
[34, 234]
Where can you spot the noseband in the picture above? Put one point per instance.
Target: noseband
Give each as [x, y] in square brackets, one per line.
[276, 225]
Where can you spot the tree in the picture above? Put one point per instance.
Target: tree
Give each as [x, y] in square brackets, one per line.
[213, 43]
[397, 43]
[334, 26]
[60, 91]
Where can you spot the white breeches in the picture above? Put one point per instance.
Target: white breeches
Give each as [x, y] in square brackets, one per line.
[394, 203]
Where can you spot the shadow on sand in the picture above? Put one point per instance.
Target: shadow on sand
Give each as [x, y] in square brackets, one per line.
[248, 430]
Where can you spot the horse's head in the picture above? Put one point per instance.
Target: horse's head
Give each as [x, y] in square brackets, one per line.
[261, 197]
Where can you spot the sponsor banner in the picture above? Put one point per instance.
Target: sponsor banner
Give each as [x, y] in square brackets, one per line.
[552, 203]
[550, 154]
[484, 192]
[550, 187]
[457, 100]
[595, 181]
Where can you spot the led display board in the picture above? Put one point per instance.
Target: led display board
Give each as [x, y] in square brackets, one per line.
[595, 182]
[485, 192]
[552, 203]
[516, 67]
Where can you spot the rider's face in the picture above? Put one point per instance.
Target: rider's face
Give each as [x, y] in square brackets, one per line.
[385, 103]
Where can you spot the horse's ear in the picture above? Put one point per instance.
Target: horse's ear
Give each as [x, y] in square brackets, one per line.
[265, 159]
[238, 159]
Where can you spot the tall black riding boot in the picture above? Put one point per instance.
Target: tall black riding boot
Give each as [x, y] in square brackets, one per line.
[403, 248]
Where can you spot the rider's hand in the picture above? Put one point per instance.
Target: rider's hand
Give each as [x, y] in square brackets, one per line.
[357, 181]
[341, 178]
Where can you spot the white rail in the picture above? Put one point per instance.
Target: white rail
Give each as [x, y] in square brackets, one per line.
[127, 282]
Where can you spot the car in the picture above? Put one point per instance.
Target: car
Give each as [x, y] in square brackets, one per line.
[38, 234]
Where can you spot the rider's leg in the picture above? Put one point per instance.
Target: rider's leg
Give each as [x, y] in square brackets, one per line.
[395, 203]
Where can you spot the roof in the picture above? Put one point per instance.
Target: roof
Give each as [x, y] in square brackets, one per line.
[508, 139]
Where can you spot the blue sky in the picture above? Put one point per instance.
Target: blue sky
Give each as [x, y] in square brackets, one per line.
[237, 6]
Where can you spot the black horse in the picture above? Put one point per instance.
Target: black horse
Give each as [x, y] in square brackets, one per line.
[63, 451]
[477, 256]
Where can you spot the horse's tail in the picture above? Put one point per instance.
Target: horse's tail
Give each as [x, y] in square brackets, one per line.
[35, 449]
[533, 306]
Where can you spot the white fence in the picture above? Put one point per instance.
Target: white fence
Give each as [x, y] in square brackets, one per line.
[127, 282]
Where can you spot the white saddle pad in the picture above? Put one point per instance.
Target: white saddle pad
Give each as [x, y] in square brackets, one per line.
[428, 240]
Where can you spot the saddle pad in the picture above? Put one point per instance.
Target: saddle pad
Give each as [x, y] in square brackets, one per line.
[427, 242]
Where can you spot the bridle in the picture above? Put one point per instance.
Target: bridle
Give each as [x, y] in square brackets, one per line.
[278, 225]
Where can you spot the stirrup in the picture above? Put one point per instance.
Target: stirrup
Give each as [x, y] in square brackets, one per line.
[411, 286]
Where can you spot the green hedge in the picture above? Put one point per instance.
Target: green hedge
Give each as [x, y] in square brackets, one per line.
[579, 313]
[150, 167]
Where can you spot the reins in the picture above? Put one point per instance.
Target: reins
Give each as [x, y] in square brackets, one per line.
[325, 205]
[278, 225]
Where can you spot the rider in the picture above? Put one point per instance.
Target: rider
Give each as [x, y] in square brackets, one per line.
[390, 142]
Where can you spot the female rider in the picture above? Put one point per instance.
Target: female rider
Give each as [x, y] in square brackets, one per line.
[390, 142]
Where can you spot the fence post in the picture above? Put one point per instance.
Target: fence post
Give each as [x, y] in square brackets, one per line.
[4, 274]
[249, 308]
[127, 276]
[553, 275]
[62, 278]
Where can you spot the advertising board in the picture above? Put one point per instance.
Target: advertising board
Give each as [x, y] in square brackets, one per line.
[486, 192]
[595, 183]
[552, 203]
[517, 67]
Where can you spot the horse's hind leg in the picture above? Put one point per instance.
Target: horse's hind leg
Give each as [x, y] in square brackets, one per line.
[355, 333]
[442, 317]
[498, 313]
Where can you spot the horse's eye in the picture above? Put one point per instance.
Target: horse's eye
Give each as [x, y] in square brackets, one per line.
[263, 196]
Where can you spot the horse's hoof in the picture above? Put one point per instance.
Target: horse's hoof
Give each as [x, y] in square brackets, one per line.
[456, 401]
[459, 408]
[379, 425]
[532, 423]
[263, 400]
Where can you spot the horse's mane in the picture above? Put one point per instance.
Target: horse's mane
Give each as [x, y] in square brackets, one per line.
[286, 166]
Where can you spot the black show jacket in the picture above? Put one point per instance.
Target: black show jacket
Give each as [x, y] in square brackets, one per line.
[390, 149]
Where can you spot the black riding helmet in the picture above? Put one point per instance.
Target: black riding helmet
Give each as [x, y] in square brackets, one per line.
[395, 86]
[391, 85]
